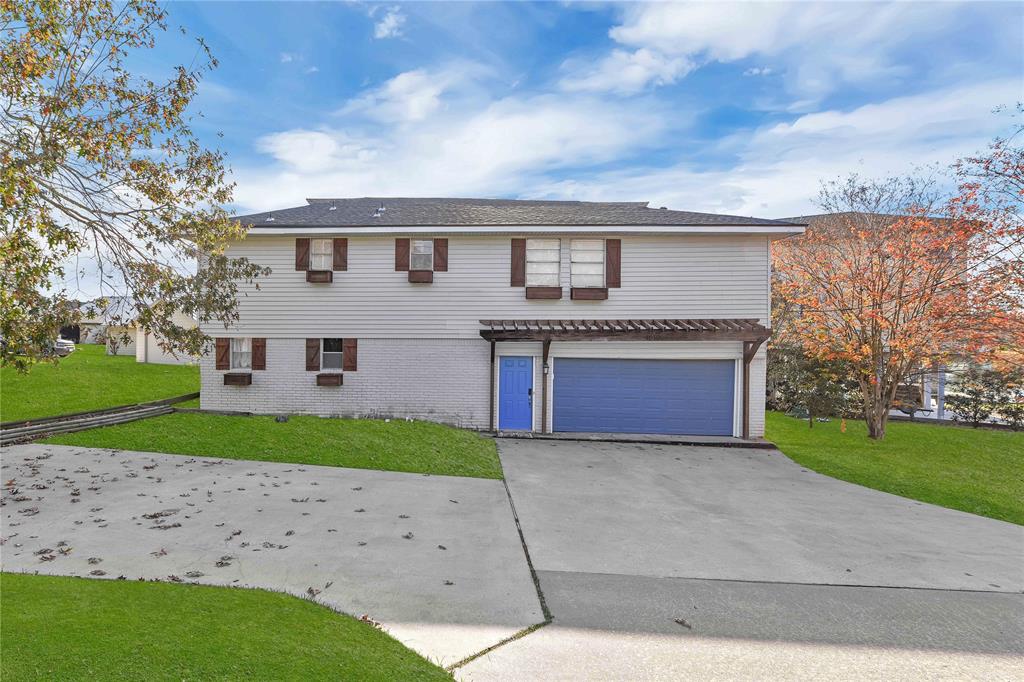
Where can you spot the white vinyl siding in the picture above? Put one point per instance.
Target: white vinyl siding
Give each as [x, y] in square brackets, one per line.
[543, 262]
[241, 354]
[696, 276]
[587, 263]
[321, 254]
[422, 254]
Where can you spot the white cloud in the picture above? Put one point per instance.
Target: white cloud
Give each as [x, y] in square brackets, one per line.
[625, 72]
[287, 57]
[820, 45]
[390, 25]
[485, 149]
[779, 167]
[758, 71]
[409, 96]
[312, 69]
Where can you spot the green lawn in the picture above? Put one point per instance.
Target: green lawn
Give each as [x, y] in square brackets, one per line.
[57, 628]
[975, 470]
[89, 379]
[398, 445]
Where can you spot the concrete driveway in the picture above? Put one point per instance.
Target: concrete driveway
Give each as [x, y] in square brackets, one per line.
[436, 559]
[670, 562]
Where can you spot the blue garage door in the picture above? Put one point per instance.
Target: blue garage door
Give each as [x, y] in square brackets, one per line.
[692, 397]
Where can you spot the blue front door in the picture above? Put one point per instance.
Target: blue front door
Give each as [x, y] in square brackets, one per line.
[515, 391]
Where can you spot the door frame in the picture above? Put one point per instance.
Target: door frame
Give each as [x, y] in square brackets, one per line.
[533, 387]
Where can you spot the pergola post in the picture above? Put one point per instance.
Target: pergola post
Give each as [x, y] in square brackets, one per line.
[749, 350]
[493, 425]
[544, 387]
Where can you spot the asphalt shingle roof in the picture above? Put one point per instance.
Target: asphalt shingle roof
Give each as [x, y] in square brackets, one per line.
[403, 211]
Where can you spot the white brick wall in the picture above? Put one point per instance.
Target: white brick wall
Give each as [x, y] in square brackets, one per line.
[443, 380]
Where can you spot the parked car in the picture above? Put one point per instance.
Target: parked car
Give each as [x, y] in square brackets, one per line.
[63, 347]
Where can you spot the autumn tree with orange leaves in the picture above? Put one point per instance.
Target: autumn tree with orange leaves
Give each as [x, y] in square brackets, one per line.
[894, 276]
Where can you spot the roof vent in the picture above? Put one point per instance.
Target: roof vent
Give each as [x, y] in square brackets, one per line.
[380, 211]
[663, 208]
[270, 218]
[334, 207]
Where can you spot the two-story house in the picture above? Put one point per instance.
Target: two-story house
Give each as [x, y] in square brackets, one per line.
[503, 315]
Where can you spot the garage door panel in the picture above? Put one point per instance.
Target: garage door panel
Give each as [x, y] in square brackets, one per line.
[686, 397]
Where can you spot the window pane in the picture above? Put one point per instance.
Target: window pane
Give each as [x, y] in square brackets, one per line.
[422, 255]
[241, 355]
[588, 256]
[330, 361]
[587, 245]
[584, 281]
[543, 262]
[541, 280]
[321, 256]
[587, 269]
[542, 244]
[542, 268]
[332, 345]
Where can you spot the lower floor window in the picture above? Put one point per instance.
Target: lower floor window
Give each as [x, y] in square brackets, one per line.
[330, 355]
[241, 354]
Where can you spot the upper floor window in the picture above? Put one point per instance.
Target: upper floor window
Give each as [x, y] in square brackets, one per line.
[587, 266]
[241, 353]
[331, 354]
[422, 254]
[543, 257]
[321, 254]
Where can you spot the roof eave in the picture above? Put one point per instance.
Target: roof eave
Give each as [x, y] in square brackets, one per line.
[281, 229]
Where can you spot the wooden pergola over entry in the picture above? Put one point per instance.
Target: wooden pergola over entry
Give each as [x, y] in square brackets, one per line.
[749, 331]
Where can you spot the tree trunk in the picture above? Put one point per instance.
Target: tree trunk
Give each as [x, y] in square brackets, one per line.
[876, 411]
[876, 427]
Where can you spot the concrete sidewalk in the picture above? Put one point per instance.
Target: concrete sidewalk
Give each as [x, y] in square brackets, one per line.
[436, 559]
[629, 628]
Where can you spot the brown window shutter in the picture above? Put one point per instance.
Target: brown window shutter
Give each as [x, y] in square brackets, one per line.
[349, 354]
[302, 254]
[312, 355]
[340, 254]
[259, 353]
[223, 355]
[440, 255]
[401, 255]
[613, 263]
[519, 262]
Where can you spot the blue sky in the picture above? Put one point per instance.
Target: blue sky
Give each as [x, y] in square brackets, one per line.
[731, 108]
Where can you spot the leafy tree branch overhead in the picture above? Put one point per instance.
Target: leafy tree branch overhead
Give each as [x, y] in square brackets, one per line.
[97, 162]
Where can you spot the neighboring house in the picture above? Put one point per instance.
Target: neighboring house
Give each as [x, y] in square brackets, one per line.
[111, 322]
[115, 321]
[147, 345]
[500, 314]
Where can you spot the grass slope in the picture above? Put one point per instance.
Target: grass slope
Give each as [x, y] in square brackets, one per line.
[974, 470]
[398, 445]
[89, 379]
[57, 628]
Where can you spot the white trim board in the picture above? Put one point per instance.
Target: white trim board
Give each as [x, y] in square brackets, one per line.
[777, 231]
